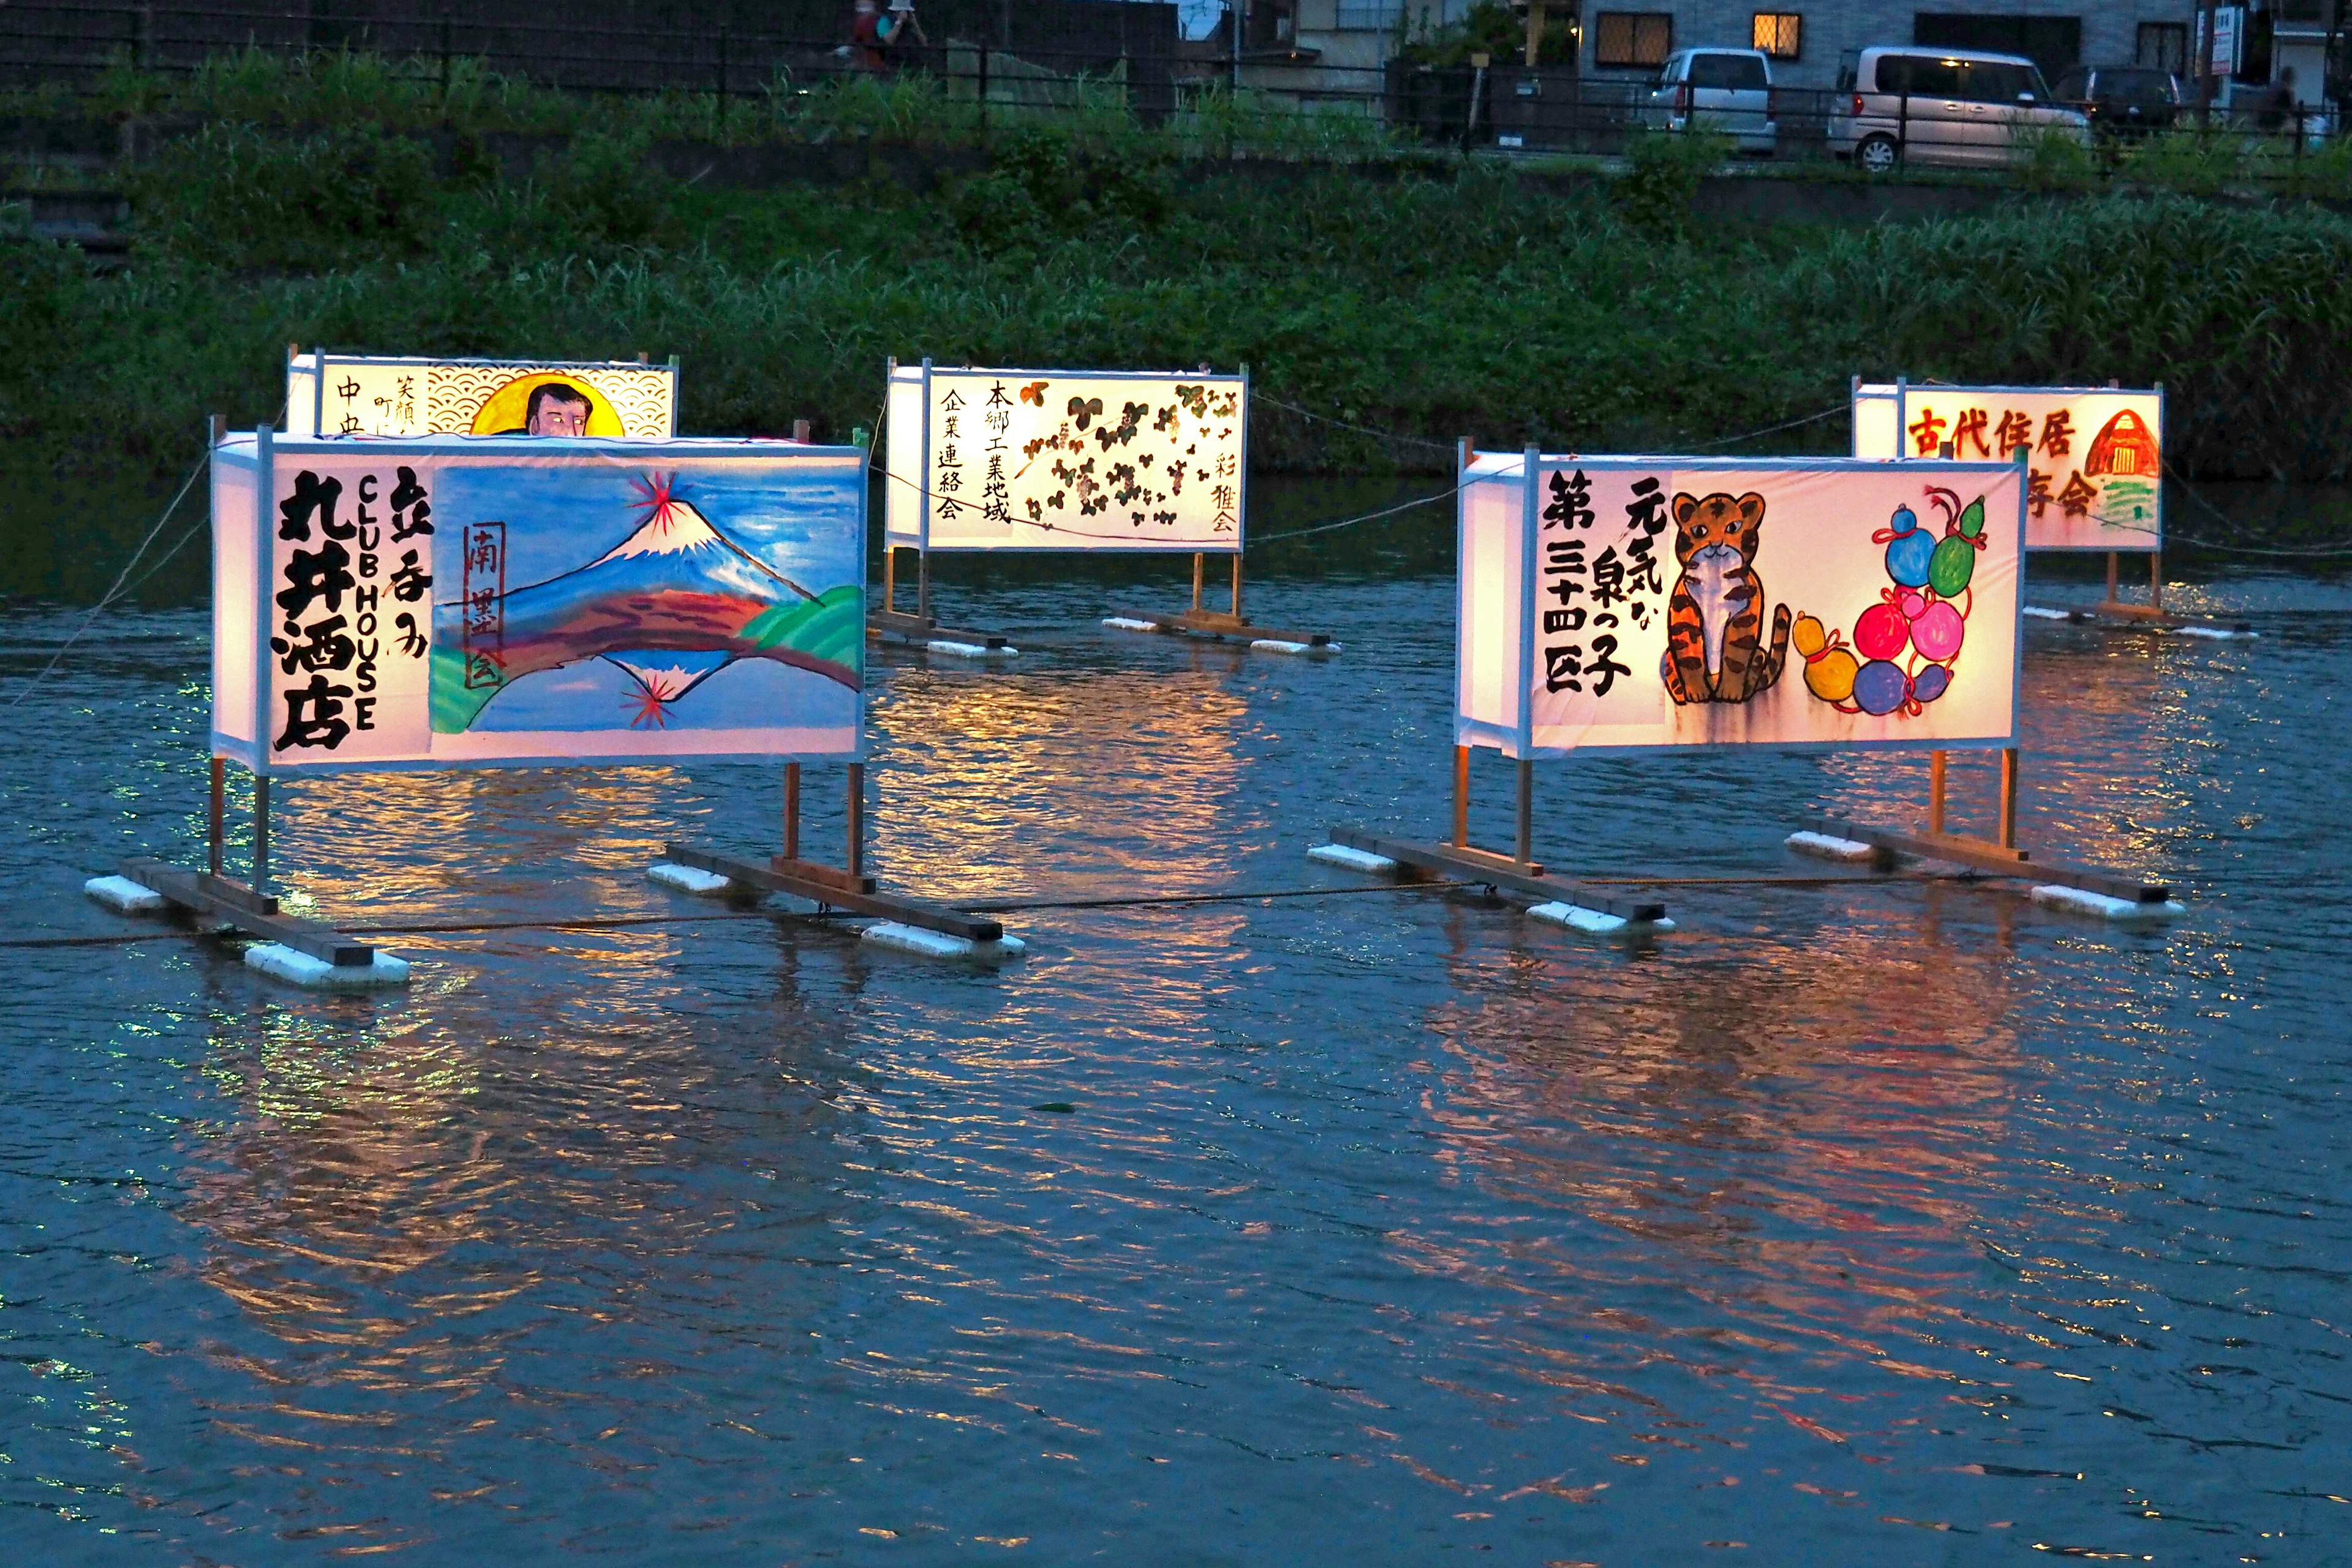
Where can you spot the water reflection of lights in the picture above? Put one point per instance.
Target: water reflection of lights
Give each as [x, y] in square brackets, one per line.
[397, 1198]
[1783, 1137]
[1122, 779]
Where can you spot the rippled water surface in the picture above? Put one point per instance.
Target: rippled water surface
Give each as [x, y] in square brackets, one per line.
[1896, 1224]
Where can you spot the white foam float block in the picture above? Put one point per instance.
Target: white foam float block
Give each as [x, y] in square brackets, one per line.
[2082, 901]
[969, 650]
[1279, 644]
[1829, 846]
[938, 943]
[2043, 613]
[2220, 632]
[1353, 860]
[1128, 624]
[124, 896]
[284, 962]
[1593, 922]
[689, 879]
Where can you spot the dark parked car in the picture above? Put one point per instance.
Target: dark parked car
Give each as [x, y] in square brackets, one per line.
[2122, 100]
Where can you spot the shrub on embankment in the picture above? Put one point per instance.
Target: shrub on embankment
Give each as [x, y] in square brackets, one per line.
[1435, 305]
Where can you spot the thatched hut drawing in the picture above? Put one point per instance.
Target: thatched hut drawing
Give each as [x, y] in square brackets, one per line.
[2125, 446]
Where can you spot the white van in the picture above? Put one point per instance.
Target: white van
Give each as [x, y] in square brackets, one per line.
[1952, 108]
[1723, 91]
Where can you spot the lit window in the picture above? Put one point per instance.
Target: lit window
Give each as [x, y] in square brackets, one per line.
[1633, 38]
[1778, 34]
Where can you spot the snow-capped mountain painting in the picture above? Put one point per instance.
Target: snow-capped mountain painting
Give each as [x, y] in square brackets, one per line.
[681, 623]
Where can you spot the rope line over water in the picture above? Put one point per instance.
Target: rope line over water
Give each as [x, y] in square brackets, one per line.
[998, 906]
[2314, 553]
[106, 600]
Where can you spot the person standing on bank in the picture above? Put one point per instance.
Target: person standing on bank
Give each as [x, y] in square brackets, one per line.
[2277, 105]
[874, 32]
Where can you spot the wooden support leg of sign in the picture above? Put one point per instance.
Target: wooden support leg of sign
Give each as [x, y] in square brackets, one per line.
[792, 811]
[1462, 798]
[891, 624]
[217, 839]
[1525, 846]
[2009, 797]
[261, 834]
[2085, 887]
[1223, 626]
[1561, 899]
[304, 951]
[844, 888]
[2115, 605]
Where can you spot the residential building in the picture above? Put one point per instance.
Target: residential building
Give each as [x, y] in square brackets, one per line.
[1809, 40]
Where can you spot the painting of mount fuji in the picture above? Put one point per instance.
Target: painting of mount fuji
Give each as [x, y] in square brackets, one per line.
[670, 607]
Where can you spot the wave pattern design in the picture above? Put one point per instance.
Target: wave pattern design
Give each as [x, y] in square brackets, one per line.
[453, 394]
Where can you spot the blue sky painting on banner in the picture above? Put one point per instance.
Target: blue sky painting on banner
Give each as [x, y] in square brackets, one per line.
[629, 594]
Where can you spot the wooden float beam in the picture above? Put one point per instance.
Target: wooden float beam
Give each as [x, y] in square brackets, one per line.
[1498, 872]
[836, 889]
[1223, 627]
[898, 626]
[255, 914]
[1982, 855]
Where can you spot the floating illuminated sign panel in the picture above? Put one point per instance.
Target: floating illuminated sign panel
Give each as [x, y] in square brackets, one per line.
[443, 602]
[351, 395]
[2096, 455]
[1621, 604]
[1043, 459]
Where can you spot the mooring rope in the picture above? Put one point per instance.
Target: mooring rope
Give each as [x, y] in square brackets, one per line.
[2315, 552]
[106, 601]
[989, 906]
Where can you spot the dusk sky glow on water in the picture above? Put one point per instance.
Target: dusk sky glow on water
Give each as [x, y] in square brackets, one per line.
[1899, 1224]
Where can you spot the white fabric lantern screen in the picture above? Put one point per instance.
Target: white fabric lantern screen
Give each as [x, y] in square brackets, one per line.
[1491, 604]
[451, 601]
[1627, 604]
[1077, 460]
[2095, 455]
[238, 612]
[357, 394]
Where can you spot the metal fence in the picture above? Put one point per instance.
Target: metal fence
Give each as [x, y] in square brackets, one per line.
[1273, 97]
[596, 49]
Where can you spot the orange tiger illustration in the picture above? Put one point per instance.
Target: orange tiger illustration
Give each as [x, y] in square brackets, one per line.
[1715, 617]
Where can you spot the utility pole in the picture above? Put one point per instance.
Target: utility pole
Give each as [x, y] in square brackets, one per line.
[2204, 62]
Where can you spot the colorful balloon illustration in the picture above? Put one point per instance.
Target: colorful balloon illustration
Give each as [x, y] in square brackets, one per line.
[1830, 666]
[1908, 548]
[1937, 630]
[1954, 559]
[1904, 646]
[1881, 632]
[1880, 686]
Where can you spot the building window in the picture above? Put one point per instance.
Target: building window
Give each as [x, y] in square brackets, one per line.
[1778, 34]
[2163, 46]
[1369, 16]
[1631, 39]
[2053, 43]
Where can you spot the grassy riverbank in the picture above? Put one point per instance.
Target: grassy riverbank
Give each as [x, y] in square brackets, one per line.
[1434, 304]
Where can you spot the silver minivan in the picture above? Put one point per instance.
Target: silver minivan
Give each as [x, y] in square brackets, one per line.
[1953, 108]
[1723, 91]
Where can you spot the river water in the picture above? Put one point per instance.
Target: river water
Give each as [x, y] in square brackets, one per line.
[1901, 1223]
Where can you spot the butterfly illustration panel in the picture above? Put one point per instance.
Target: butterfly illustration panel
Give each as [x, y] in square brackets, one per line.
[1004, 459]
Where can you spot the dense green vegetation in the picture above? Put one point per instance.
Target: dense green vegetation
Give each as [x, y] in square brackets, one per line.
[1446, 301]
